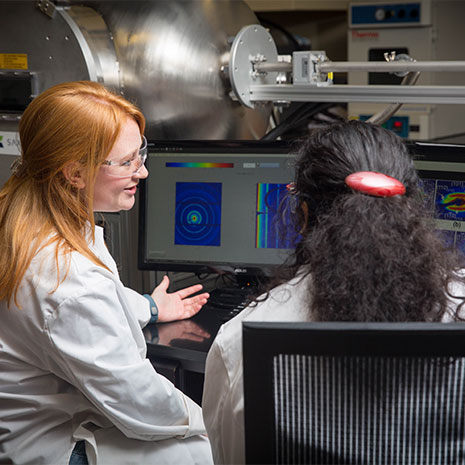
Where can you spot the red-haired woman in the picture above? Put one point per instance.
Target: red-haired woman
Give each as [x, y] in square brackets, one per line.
[74, 379]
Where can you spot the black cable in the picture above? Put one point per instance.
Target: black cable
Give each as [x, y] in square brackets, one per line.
[320, 108]
[304, 112]
[286, 33]
[330, 117]
[288, 122]
[200, 277]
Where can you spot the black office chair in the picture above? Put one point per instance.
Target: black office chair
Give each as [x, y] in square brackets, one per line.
[354, 393]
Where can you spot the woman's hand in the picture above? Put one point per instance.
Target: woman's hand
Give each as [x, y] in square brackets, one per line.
[177, 305]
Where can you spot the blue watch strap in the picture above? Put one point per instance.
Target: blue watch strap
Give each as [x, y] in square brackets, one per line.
[153, 308]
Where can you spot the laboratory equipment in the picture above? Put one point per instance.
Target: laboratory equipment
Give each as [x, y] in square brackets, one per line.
[429, 30]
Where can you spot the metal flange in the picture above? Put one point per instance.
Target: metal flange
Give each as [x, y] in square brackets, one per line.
[253, 44]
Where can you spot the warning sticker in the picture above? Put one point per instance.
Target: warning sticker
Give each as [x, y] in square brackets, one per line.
[13, 61]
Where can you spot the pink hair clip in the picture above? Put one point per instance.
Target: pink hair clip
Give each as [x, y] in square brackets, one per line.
[376, 184]
[291, 187]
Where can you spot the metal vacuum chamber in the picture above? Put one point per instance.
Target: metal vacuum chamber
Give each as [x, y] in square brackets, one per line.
[166, 56]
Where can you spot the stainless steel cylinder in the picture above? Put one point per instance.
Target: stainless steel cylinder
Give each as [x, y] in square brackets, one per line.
[166, 56]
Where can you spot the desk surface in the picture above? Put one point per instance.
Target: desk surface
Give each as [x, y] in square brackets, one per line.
[185, 341]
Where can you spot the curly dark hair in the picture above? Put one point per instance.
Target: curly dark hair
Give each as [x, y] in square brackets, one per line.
[370, 258]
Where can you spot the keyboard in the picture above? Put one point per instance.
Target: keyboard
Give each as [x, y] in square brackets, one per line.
[228, 302]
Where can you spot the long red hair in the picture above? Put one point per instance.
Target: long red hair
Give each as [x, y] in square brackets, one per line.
[70, 122]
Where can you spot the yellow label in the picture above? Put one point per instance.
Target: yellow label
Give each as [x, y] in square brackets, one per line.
[13, 61]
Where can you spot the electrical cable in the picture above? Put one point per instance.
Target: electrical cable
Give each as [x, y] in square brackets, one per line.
[281, 29]
[302, 113]
[288, 122]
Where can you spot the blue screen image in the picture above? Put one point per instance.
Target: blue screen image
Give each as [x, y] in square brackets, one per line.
[198, 213]
[446, 200]
[450, 200]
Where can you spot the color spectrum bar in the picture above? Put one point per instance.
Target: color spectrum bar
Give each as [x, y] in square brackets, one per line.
[177, 164]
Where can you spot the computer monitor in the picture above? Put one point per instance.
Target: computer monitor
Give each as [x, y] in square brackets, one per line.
[210, 207]
[442, 171]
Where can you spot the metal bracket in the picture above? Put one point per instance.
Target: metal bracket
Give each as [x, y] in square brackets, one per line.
[47, 7]
[305, 69]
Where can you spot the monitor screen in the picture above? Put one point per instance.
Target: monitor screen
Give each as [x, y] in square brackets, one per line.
[442, 171]
[16, 91]
[210, 206]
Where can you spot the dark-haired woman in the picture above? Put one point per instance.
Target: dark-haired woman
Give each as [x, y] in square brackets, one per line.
[367, 252]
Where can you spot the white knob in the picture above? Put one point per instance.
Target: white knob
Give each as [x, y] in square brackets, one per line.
[380, 14]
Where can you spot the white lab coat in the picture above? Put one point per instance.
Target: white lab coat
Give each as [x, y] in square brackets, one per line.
[73, 366]
[223, 401]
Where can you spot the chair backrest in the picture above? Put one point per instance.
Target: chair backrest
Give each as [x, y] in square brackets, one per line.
[353, 393]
